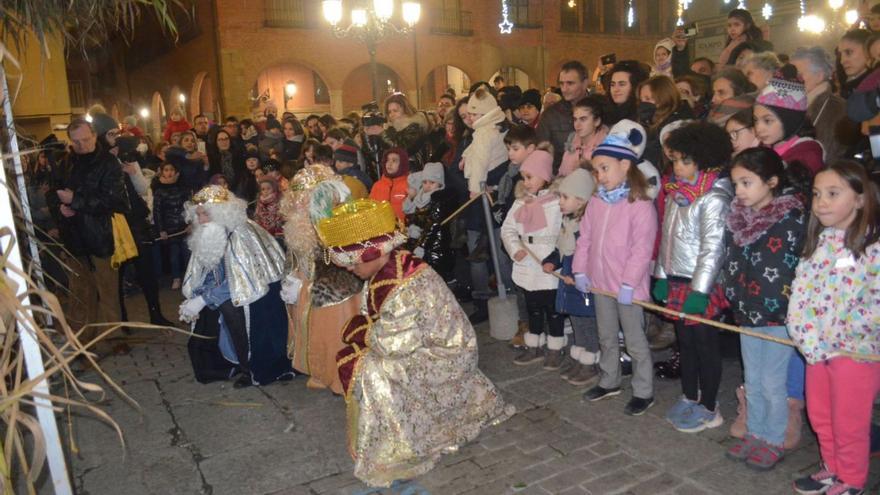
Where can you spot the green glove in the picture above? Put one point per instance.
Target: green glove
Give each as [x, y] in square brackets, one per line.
[661, 290]
[695, 304]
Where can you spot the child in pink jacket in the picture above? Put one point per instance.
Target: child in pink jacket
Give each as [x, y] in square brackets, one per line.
[613, 255]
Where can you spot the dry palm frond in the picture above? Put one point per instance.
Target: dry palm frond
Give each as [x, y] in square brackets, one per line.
[82, 23]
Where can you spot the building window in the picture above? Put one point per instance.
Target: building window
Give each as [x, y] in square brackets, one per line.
[521, 15]
[609, 16]
[286, 13]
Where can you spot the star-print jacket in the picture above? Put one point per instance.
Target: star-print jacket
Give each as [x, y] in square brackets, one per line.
[835, 300]
[762, 250]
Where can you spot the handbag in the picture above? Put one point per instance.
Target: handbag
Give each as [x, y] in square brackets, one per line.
[124, 247]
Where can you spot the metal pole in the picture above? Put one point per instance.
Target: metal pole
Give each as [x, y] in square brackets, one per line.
[416, 64]
[374, 70]
[493, 243]
[29, 344]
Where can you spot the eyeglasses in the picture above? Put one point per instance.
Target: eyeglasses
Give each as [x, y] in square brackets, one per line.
[222, 139]
[112, 134]
[734, 133]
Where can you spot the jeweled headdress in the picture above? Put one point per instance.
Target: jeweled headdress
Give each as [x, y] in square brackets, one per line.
[360, 231]
[211, 194]
[311, 176]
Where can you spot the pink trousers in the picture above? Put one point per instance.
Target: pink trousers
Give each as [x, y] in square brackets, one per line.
[840, 396]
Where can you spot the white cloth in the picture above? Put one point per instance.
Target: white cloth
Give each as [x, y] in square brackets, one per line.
[290, 288]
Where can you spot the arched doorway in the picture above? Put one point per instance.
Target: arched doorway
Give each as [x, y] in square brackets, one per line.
[157, 116]
[357, 89]
[202, 100]
[441, 80]
[290, 87]
[514, 76]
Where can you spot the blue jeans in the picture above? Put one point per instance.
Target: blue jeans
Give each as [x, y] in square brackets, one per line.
[766, 371]
[797, 369]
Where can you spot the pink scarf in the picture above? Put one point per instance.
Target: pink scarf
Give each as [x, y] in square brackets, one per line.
[748, 225]
[571, 160]
[531, 214]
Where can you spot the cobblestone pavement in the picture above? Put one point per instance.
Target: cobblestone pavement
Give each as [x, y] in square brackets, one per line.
[285, 439]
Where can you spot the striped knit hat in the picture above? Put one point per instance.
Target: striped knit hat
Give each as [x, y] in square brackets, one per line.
[625, 141]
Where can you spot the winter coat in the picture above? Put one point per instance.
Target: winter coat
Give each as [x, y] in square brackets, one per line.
[192, 172]
[760, 260]
[835, 300]
[354, 179]
[98, 186]
[555, 125]
[435, 238]
[574, 153]
[569, 300]
[692, 243]
[168, 201]
[528, 273]
[615, 245]
[486, 151]
[827, 112]
[270, 142]
[409, 133]
[805, 150]
[392, 190]
[290, 150]
[171, 127]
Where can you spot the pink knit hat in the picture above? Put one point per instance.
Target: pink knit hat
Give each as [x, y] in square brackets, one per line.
[539, 164]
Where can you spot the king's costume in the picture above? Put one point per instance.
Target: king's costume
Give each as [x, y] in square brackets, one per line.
[321, 296]
[232, 286]
[409, 369]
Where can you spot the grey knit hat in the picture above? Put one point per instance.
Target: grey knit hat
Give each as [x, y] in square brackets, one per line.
[579, 184]
[102, 123]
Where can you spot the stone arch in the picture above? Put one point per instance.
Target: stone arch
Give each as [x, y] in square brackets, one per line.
[158, 115]
[174, 100]
[311, 91]
[202, 96]
[516, 76]
[357, 89]
[439, 79]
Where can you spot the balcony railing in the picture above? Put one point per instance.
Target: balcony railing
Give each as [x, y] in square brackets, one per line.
[286, 13]
[451, 21]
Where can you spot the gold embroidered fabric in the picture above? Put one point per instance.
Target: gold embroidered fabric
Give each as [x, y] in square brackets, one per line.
[418, 391]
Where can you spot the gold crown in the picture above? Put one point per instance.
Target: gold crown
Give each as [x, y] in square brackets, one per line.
[311, 176]
[355, 222]
[211, 194]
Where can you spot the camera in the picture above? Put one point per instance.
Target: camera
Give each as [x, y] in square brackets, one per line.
[609, 59]
[127, 149]
[691, 31]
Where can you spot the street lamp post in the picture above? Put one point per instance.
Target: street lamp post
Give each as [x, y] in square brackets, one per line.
[371, 25]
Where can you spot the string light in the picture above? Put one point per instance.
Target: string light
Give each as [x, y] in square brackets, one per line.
[741, 5]
[572, 4]
[767, 11]
[851, 17]
[630, 14]
[506, 26]
[835, 4]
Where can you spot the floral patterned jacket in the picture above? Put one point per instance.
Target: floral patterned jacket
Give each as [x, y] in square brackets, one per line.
[835, 300]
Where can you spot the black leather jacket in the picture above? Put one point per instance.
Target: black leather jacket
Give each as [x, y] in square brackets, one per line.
[98, 186]
[435, 238]
[168, 200]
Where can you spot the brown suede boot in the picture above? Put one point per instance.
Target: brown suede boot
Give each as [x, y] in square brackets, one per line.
[795, 424]
[521, 328]
[738, 428]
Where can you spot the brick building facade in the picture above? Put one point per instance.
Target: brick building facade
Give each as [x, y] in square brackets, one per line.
[236, 51]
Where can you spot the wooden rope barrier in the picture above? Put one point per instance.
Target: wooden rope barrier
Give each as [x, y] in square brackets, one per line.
[467, 203]
[717, 324]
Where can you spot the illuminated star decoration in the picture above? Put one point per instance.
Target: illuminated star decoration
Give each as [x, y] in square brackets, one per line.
[506, 26]
[767, 11]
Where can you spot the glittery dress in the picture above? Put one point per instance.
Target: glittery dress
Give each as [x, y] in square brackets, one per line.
[412, 387]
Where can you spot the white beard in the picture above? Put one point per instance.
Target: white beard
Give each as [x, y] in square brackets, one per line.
[208, 243]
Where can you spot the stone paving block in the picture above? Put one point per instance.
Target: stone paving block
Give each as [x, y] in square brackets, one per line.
[443, 475]
[578, 458]
[466, 452]
[503, 440]
[575, 441]
[575, 490]
[609, 483]
[537, 473]
[332, 482]
[494, 457]
[718, 477]
[689, 489]
[604, 448]
[565, 479]
[497, 487]
[610, 464]
[532, 490]
[657, 484]
[296, 490]
[642, 470]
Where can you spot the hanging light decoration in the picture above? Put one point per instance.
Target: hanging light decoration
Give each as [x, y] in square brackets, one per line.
[835, 4]
[572, 4]
[812, 24]
[851, 17]
[741, 5]
[630, 14]
[506, 26]
[767, 11]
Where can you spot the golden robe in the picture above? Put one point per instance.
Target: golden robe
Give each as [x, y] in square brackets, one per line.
[413, 389]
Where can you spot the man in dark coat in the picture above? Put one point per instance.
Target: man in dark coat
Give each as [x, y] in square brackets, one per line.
[556, 121]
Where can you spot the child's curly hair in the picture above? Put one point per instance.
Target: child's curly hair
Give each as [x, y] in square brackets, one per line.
[708, 145]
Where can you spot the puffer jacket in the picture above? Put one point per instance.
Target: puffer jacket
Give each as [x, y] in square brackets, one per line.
[168, 201]
[393, 190]
[486, 151]
[528, 272]
[692, 243]
[435, 238]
